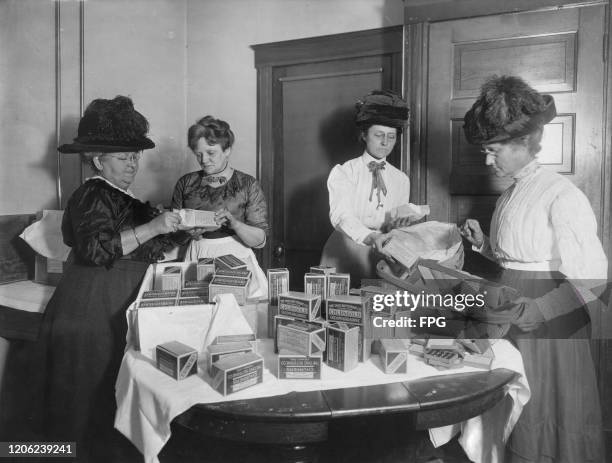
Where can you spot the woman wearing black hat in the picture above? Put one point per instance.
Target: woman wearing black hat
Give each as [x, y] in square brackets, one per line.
[365, 190]
[543, 231]
[114, 237]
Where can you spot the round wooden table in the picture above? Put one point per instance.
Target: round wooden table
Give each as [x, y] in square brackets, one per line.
[323, 425]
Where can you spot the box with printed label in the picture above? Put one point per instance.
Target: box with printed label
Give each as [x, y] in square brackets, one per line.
[229, 338]
[159, 294]
[393, 356]
[171, 278]
[342, 350]
[279, 320]
[201, 292]
[149, 303]
[228, 285]
[237, 372]
[483, 360]
[218, 351]
[316, 283]
[229, 262]
[238, 273]
[299, 305]
[297, 366]
[278, 283]
[338, 284]
[205, 268]
[176, 359]
[349, 309]
[324, 269]
[300, 337]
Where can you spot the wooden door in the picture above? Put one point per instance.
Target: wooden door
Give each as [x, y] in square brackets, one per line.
[557, 52]
[312, 113]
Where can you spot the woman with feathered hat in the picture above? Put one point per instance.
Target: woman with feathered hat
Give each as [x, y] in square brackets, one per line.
[114, 237]
[543, 232]
[363, 191]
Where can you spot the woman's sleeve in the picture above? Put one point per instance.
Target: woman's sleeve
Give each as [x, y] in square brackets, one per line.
[575, 227]
[341, 213]
[177, 195]
[256, 211]
[95, 239]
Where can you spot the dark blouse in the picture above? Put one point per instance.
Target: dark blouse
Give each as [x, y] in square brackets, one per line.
[242, 195]
[94, 217]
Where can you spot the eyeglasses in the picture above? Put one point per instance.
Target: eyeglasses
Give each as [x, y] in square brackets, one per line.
[125, 157]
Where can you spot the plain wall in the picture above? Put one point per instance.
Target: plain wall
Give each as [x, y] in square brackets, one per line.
[178, 60]
[222, 79]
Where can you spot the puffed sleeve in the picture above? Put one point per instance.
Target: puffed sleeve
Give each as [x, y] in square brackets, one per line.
[177, 195]
[582, 255]
[256, 211]
[341, 214]
[89, 227]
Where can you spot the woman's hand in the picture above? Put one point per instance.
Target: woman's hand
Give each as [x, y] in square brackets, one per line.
[224, 216]
[377, 240]
[472, 232]
[166, 222]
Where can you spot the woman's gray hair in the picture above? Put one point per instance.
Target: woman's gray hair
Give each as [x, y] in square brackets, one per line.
[88, 159]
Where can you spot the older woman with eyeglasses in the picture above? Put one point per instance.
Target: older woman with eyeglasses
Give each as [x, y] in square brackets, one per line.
[114, 237]
[543, 233]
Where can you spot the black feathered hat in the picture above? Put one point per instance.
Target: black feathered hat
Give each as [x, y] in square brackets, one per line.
[381, 107]
[506, 108]
[110, 126]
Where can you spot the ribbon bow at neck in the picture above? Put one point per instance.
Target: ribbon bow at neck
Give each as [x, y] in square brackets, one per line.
[378, 183]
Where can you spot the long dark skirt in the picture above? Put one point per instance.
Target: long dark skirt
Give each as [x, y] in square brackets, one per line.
[562, 421]
[74, 364]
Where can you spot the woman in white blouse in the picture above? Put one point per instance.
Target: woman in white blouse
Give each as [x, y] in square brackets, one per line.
[365, 190]
[543, 232]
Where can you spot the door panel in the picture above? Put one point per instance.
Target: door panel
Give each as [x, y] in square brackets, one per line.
[557, 52]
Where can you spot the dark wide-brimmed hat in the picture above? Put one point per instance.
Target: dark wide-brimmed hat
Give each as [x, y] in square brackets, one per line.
[381, 107]
[506, 108]
[110, 126]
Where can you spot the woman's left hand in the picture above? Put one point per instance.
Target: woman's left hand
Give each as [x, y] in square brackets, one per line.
[224, 216]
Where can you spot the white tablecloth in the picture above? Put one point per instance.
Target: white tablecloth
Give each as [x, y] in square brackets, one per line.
[148, 400]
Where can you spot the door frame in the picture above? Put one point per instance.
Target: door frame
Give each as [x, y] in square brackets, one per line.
[269, 57]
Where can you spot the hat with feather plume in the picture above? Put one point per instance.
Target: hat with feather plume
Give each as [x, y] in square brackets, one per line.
[110, 126]
[381, 107]
[506, 108]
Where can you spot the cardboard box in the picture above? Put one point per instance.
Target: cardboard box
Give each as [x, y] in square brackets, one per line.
[278, 283]
[299, 305]
[300, 337]
[160, 294]
[192, 218]
[279, 320]
[393, 356]
[193, 284]
[316, 283]
[216, 352]
[323, 269]
[228, 285]
[237, 372]
[483, 360]
[404, 255]
[149, 303]
[338, 284]
[205, 269]
[191, 301]
[48, 271]
[229, 262]
[176, 359]
[228, 338]
[201, 292]
[171, 278]
[239, 273]
[443, 358]
[297, 366]
[368, 293]
[349, 309]
[342, 350]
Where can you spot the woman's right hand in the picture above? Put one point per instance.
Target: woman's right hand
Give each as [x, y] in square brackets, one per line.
[472, 232]
[166, 222]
